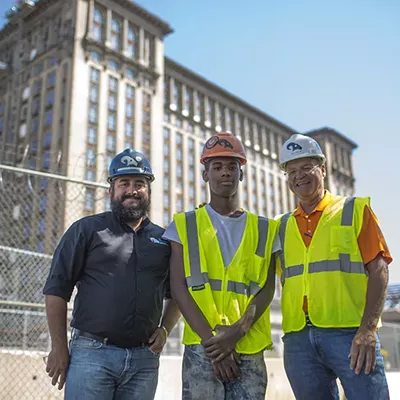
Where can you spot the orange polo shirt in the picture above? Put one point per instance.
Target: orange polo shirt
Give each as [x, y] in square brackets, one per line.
[370, 240]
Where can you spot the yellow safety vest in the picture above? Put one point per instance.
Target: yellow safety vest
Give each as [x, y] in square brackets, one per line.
[330, 272]
[223, 294]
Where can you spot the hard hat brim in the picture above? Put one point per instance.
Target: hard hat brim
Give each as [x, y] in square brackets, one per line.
[150, 177]
[322, 158]
[242, 159]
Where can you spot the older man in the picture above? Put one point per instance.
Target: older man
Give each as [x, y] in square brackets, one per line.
[334, 273]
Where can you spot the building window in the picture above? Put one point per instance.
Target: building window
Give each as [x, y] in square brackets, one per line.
[95, 56]
[92, 135]
[131, 43]
[112, 122]
[50, 98]
[48, 117]
[129, 129]
[91, 157]
[92, 115]
[112, 102]
[129, 110]
[43, 203]
[98, 26]
[94, 75]
[130, 74]
[147, 49]
[130, 92]
[179, 205]
[111, 143]
[89, 199]
[90, 175]
[113, 65]
[47, 140]
[113, 84]
[46, 160]
[166, 218]
[94, 94]
[115, 34]
[146, 123]
[51, 80]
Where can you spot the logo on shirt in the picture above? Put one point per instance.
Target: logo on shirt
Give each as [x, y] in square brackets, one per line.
[294, 147]
[159, 241]
[129, 161]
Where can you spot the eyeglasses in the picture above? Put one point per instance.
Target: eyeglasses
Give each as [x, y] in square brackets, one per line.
[304, 170]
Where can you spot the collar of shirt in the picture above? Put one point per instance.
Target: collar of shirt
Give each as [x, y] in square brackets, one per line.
[143, 224]
[320, 207]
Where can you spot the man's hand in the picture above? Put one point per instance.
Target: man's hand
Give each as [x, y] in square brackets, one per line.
[363, 349]
[227, 370]
[223, 343]
[157, 340]
[57, 365]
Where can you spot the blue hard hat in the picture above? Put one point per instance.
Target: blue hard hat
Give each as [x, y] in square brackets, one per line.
[130, 162]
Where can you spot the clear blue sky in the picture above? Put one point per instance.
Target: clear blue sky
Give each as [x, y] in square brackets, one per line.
[309, 63]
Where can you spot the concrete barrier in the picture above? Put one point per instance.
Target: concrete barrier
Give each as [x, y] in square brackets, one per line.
[23, 377]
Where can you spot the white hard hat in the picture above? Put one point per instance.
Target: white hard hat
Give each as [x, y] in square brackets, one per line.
[300, 146]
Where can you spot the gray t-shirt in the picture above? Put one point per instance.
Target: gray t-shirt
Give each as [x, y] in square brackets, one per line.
[229, 233]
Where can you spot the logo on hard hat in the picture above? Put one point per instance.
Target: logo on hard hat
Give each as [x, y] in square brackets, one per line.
[129, 161]
[215, 140]
[294, 147]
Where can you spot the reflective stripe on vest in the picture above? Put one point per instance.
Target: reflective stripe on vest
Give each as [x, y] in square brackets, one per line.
[199, 279]
[343, 264]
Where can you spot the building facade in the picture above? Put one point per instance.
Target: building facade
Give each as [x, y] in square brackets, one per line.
[81, 80]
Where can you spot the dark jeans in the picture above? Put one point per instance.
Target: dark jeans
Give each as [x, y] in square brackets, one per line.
[315, 357]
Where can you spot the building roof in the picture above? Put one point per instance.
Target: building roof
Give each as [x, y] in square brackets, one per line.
[146, 15]
[330, 131]
[128, 4]
[175, 66]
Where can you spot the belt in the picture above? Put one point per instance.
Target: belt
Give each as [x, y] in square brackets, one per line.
[102, 339]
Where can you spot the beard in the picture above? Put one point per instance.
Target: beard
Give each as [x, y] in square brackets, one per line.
[131, 213]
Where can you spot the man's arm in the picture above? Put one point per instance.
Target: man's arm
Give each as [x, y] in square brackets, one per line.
[181, 295]
[224, 342]
[67, 264]
[363, 348]
[170, 317]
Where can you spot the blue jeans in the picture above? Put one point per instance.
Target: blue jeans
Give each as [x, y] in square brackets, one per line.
[104, 372]
[200, 383]
[315, 357]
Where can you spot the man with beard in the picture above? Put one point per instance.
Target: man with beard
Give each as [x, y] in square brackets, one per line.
[223, 282]
[120, 265]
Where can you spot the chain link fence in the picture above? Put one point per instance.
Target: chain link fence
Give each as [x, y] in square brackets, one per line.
[35, 210]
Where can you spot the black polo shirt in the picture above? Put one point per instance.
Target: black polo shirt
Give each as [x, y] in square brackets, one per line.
[122, 277]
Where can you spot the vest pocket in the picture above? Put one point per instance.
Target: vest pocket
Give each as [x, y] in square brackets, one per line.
[343, 240]
[256, 270]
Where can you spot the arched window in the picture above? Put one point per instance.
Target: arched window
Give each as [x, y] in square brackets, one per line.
[98, 25]
[132, 43]
[115, 34]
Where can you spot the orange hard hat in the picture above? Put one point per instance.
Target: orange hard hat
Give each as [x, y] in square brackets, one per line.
[223, 145]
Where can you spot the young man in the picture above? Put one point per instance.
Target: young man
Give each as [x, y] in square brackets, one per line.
[120, 266]
[223, 283]
[334, 269]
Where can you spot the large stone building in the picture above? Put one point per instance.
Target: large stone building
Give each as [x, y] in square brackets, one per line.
[81, 80]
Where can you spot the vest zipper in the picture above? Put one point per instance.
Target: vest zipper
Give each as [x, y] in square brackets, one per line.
[306, 274]
[224, 319]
